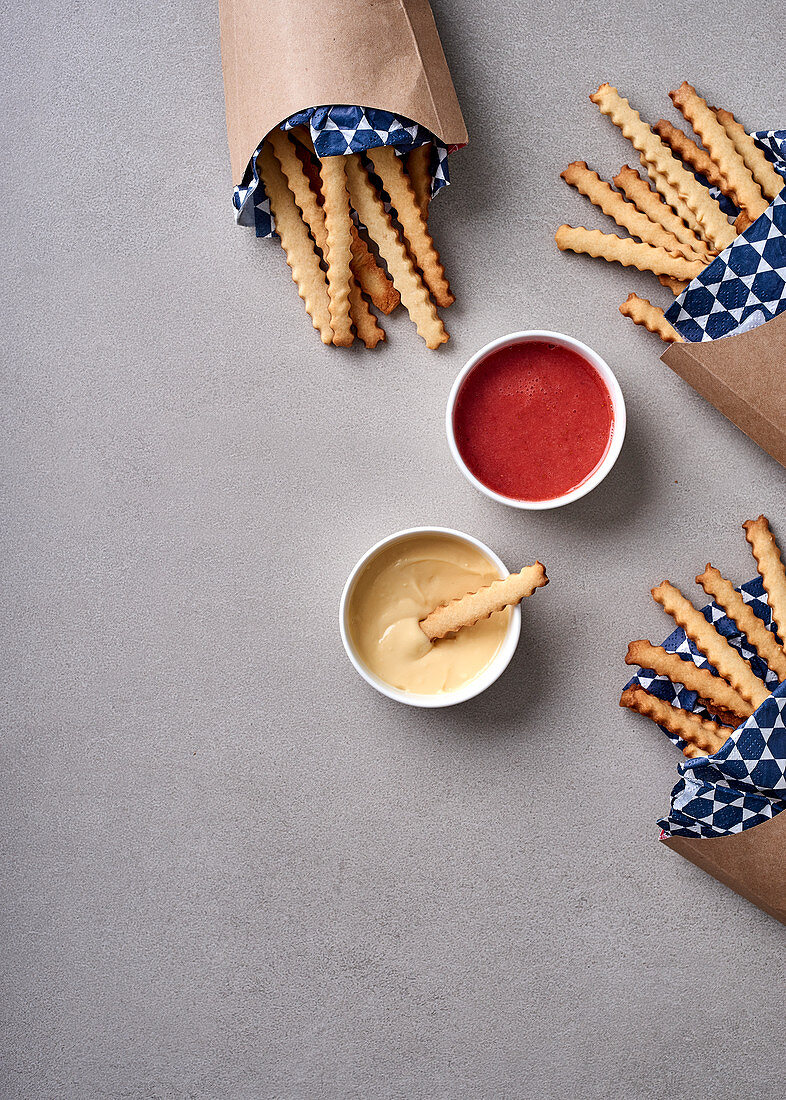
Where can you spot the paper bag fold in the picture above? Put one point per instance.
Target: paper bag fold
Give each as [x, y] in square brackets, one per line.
[744, 377]
[752, 863]
[281, 56]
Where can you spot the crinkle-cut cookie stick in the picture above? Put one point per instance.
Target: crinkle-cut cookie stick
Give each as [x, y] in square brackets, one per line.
[714, 689]
[406, 279]
[688, 151]
[629, 253]
[657, 157]
[339, 247]
[469, 609]
[642, 312]
[771, 568]
[703, 736]
[302, 258]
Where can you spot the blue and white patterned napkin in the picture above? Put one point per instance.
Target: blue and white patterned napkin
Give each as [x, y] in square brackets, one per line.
[334, 131]
[746, 285]
[744, 783]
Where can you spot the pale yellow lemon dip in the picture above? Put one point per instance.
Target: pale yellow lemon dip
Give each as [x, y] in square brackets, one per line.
[398, 588]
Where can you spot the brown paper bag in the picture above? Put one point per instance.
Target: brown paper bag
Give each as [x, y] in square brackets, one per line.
[745, 378]
[281, 56]
[752, 863]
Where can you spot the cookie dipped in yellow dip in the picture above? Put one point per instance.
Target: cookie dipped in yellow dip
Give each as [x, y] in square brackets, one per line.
[398, 588]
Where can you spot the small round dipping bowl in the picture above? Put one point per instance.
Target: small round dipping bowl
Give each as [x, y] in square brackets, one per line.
[473, 687]
[618, 409]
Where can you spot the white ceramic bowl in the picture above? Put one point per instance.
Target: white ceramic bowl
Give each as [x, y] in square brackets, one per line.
[617, 401]
[469, 690]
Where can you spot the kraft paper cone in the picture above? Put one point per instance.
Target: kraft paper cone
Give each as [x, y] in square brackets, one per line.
[281, 56]
[752, 863]
[744, 377]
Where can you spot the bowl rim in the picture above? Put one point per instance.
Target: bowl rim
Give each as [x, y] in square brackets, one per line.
[618, 406]
[473, 687]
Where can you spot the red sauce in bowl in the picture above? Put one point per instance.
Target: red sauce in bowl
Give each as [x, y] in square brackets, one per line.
[533, 421]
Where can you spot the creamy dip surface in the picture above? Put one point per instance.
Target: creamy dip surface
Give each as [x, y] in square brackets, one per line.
[398, 588]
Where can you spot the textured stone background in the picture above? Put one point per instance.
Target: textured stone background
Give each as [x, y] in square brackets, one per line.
[231, 869]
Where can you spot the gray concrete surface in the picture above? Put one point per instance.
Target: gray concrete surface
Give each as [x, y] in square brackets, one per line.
[231, 869]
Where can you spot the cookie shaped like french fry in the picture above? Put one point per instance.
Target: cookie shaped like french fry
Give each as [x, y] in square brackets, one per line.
[722, 656]
[419, 172]
[756, 162]
[771, 569]
[414, 294]
[642, 312]
[389, 168]
[702, 735]
[649, 202]
[657, 156]
[763, 640]
[688, 151]
[303, 261]
[623, 251]
[624, 213]
[742, 222]
[469, 609]
[713, 689]
[339, 250]
[740, 184]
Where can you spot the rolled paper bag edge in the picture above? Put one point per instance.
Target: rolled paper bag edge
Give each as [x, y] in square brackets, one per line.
[752, 862]
[744, 377]
[283, 57]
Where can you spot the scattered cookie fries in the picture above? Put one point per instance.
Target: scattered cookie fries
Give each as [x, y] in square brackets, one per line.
[677, 228]
[732, 692]
[335, 216]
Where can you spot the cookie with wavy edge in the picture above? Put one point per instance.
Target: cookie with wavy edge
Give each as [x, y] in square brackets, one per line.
[711, 688]
[339, 250]
[419, 172]
[689, 152]
[307, 275]
[703, 736]
[629, 253]
[642, 312]
[771, 569]
[469, 609]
